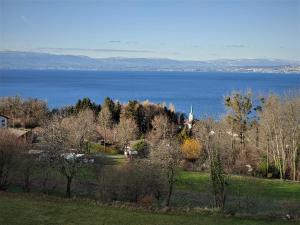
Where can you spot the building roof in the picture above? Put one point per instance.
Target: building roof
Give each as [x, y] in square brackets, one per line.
[18, 132]
[4, 116]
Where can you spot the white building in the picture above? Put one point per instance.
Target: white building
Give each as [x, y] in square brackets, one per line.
[3, 121]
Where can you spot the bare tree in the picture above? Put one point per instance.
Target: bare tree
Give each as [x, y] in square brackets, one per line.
[106, 121]
[161, 129]
[54, 135]
[272, 121]
[127, 130]
[28, 112]
[34, 111]
[57, 141]
[11, 106]
[167, 156]
[79, 129]
[215, 140]
[203, 130]
[69, 167]
[292, 107]
[281, 133]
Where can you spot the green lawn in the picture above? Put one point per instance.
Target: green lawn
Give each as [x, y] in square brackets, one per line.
[96, 148]
[245, 195]
[263, 188]
[23, 209]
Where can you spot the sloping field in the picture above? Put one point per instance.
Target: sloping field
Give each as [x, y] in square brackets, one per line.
[23, 209]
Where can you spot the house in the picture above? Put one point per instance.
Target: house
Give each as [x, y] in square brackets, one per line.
[3, 121]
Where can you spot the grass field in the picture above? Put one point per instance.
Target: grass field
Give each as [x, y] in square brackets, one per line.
[246, 195]
[263, 188]
[25, 209]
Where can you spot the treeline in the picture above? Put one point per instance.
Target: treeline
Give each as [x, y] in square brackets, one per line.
[263, 134]
[32, 112]
[259, 137]
[27, 113]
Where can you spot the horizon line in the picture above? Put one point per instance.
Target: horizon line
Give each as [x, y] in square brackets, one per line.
[128, 57]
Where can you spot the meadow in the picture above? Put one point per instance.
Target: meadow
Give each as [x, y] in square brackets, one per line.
[246, 196]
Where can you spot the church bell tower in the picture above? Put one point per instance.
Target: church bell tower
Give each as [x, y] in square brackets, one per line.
[191, 118]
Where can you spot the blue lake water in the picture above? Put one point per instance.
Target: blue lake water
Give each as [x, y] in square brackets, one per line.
[205, 91]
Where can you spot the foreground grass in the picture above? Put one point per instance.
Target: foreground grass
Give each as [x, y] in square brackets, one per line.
[35, 210]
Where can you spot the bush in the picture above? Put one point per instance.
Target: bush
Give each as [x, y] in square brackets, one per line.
[218, 180]
[135, 182]
[273, 172]
[96, 148]
[146, 201]
[10, 150]
[31, 123]
[27, 166]
[191, 149]
[141, 147]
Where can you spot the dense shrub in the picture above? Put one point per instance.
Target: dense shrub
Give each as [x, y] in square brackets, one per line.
[10, 149]
[141, 147]
[272, 172]
[134, 182]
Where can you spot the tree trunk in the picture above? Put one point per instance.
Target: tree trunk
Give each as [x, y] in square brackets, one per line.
[68, 192]
[294, 164]
[257, 137]
[267, 158]
[26, 187]
[105, 140]
[171, 182]
[241, 141]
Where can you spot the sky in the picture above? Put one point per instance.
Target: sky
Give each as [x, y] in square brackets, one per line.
[184, 30]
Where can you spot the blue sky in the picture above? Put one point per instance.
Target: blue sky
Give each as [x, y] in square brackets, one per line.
[197, 30]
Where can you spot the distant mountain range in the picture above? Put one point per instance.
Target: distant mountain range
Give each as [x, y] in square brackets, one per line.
[42, 61]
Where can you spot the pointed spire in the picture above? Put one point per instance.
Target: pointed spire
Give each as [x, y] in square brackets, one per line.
[191, 115]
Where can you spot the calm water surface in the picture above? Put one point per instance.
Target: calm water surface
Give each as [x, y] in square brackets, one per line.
[205, 91]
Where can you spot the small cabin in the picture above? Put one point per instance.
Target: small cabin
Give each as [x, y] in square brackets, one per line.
[3, 121]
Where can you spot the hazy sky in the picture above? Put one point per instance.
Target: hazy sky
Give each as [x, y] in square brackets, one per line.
[199, 30]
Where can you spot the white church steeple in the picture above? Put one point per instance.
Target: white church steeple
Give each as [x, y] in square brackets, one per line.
[190, 119]
[191, 115]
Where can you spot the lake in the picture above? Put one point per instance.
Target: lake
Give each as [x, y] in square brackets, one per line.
[204, 90]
